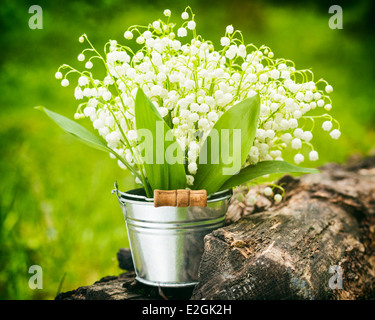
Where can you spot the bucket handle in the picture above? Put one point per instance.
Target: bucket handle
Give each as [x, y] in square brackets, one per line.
[116, 191]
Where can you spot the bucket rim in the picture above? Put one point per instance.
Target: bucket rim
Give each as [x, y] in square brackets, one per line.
[134, 196]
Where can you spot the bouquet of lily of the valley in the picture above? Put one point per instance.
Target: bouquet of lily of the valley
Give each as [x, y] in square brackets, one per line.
[183, 114]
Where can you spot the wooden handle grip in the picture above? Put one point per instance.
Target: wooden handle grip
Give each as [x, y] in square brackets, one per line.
[180, 198]
[198, 198]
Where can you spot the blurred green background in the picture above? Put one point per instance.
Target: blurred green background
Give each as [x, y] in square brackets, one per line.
[56, 209]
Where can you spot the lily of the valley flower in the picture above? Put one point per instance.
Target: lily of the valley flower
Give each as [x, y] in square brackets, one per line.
[192, 84]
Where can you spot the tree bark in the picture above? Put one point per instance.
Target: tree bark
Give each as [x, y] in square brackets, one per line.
[321, 236]
[124, 287]
[326, 223]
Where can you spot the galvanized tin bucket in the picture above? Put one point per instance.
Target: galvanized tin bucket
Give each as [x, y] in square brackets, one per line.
[167, 242]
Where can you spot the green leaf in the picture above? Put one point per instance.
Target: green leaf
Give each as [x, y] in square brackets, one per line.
[227, 145]
[85, 136]
[263, 168]
[163, 159]
[76, 130]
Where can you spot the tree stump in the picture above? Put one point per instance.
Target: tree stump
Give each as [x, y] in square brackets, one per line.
[318, 243]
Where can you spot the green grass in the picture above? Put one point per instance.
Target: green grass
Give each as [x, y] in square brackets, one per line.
[56, 209]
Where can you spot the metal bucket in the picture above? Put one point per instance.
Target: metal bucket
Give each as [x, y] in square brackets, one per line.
[167, 242]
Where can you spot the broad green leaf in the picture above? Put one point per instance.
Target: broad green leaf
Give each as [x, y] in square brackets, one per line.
[82, 134]
[263, 168]
[163, 158]
[227, 145]
[76, 130]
